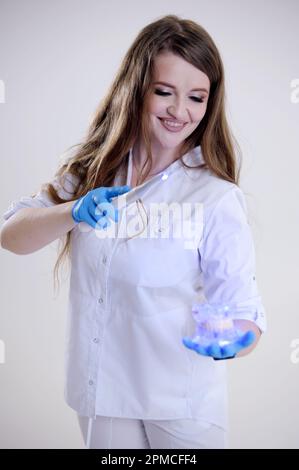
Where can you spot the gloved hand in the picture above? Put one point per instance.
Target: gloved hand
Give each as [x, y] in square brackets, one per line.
[95, 207]
[221, 352]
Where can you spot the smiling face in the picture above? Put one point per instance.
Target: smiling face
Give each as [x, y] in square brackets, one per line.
[185, 103]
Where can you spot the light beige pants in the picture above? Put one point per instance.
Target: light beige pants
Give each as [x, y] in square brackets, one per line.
[124, 433]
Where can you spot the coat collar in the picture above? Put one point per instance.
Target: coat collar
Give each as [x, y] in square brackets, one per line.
[192, 158]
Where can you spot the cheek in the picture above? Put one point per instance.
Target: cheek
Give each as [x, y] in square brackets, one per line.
[156, 107]
[199, 113]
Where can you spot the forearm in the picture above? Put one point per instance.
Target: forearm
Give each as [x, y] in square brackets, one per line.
[31, 228]
[244, 326]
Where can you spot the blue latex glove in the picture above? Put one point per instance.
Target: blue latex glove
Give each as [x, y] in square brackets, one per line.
[95, 207]
[221, 352]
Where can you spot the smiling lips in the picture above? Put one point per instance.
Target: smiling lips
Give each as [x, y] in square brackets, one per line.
[171, 125]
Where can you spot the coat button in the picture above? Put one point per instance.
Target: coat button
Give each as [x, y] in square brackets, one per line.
[90, 382]
[104, 259]
[95, 340]
[100, 300]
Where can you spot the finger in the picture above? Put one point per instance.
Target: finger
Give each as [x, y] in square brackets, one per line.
[92, 215]
[117, 191]
[188, 343]
[100, 198]
[201, 349]
[191, 345]
[247, 339]
[110, 212]
[214, 350]
[105, 209]
[229, 350]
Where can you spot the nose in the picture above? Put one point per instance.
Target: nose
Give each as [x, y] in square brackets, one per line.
[179, 112]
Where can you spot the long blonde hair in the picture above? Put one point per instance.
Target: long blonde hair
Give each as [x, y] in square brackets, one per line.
[121, 115]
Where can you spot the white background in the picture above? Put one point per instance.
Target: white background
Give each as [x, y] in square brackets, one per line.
[57, 59]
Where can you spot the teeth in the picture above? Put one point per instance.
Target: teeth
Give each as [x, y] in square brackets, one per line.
[172, 124]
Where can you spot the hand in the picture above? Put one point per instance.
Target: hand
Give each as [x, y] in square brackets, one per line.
[217, 352]
[95, 207]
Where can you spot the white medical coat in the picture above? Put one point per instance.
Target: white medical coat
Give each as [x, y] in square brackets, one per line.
[130, 300]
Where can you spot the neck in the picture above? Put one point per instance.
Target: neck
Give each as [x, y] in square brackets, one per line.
[161, 158]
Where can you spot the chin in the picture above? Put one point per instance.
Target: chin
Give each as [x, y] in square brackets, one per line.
[164, 143]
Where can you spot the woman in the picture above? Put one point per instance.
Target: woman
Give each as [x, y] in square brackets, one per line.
[159, 146]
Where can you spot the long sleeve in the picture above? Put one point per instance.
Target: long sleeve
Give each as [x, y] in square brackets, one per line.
[227, 259]
[41, 198]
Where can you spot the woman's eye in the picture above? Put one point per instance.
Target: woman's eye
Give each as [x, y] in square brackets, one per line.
[164, 93]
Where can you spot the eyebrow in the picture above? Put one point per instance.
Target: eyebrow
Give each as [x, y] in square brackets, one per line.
[172, 86]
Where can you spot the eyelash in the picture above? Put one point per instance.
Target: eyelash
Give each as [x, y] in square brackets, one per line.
[164, 93]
